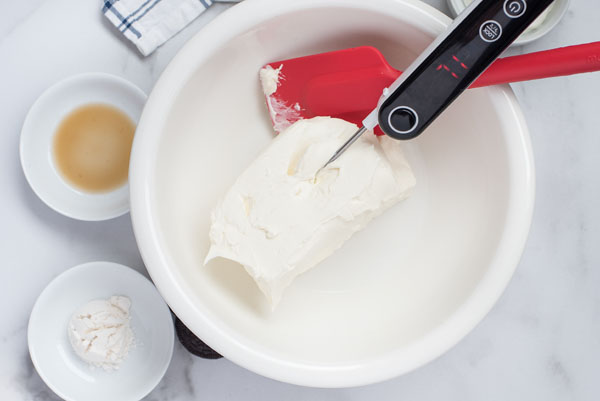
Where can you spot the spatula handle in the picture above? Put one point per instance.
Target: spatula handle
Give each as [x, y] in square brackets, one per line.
[569, 60]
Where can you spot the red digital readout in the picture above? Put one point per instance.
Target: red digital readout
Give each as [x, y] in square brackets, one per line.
[453, 69]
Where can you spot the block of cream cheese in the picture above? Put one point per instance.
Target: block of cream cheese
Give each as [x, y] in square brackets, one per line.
[280, 219]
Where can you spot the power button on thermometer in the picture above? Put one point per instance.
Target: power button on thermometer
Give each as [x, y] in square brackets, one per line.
[403, 120]
[514, 8]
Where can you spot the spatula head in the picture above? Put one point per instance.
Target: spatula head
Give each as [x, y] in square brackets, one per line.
[345, 84]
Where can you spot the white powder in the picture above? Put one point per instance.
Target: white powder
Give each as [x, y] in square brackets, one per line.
[100, 333]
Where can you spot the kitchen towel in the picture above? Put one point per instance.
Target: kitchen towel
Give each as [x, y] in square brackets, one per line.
[150, 23]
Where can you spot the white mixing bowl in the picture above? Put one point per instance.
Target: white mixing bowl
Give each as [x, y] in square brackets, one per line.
[399, 293]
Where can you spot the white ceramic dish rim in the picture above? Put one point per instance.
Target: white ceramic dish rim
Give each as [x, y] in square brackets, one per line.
[65, 276]
[457, 6]
[49, 93]
[234, 346]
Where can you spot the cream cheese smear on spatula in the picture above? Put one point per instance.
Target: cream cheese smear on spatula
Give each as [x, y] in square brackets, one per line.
[280, 218]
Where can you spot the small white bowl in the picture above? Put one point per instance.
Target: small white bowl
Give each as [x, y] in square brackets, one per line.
[56, 362]
[555, 14]
[37, 140]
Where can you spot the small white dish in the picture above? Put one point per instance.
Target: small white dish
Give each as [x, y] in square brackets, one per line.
[37, 137]
[55, 360]
[557, 10]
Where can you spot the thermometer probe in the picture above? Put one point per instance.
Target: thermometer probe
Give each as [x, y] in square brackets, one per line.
[447, 67]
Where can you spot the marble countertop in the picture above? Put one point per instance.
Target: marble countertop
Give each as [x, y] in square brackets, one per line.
[540, 342]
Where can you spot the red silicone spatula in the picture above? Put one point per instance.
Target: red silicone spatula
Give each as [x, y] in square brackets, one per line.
[348, 83]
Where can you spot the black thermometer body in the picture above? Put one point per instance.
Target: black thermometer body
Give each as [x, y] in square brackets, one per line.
[452, 62]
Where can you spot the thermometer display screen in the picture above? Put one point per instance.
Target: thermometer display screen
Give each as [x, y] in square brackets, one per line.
[454, 67]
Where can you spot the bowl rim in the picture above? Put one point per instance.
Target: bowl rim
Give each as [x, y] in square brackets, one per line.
[234, 346]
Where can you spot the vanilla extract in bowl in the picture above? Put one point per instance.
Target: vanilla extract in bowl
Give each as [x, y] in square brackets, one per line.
[92, 146]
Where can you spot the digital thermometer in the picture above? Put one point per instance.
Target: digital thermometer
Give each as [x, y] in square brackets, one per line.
[448, 66]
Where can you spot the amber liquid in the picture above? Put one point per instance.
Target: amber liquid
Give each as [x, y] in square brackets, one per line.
[92, 147]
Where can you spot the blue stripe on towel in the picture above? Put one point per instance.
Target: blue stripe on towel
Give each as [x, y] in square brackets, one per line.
[134, 13]
[108, 6]
[128, 26]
